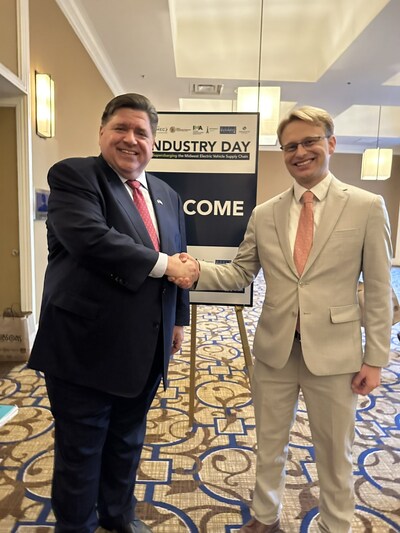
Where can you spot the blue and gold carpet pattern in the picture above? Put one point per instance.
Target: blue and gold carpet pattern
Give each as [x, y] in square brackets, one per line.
[200, 479]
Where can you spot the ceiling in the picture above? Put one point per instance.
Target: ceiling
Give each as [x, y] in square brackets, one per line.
[342, 55]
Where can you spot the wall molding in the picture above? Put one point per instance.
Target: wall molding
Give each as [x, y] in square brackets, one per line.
[91, 42]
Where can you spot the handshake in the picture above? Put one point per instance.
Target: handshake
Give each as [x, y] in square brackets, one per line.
[183, 270]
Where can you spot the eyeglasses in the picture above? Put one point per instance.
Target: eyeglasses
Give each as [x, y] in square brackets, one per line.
[307, 143]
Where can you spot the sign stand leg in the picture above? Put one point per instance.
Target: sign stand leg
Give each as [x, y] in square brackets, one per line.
[192, 377]
[245, 343]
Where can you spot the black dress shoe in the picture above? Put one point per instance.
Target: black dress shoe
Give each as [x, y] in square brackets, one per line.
[136, 526]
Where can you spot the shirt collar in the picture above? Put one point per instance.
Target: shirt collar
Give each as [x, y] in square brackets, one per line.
[142, 179]
[320, 190]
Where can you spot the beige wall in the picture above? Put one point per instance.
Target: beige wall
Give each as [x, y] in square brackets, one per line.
[8, 35]
[81, 94]
[80, 97]
[273, 178]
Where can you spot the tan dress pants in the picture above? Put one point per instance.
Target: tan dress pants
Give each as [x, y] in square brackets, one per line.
[331, 407]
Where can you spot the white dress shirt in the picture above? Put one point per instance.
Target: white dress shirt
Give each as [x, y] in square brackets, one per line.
[160, 267]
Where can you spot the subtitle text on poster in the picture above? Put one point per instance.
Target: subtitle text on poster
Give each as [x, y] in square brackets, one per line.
[197, 155]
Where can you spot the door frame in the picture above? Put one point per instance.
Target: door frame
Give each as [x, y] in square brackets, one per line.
[17, 94]
[25, 199]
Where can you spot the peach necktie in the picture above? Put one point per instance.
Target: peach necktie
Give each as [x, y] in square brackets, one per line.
[140, 203]
[305, 231]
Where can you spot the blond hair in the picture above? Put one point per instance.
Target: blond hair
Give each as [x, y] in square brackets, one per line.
[312, 115]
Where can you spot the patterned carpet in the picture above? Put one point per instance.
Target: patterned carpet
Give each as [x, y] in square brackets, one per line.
[200, 479]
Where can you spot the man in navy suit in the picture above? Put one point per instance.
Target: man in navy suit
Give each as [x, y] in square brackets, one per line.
[110, 319]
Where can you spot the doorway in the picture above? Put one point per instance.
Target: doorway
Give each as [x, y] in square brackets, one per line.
[10, 286]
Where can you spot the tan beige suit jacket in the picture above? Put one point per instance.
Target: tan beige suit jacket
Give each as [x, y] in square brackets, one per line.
[353, 237]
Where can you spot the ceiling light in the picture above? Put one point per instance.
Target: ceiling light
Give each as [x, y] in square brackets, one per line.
[266, 101]
[205, 105]
[377, 162]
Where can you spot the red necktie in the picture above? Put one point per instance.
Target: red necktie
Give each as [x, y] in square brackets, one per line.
[305, 231]
[140, 203]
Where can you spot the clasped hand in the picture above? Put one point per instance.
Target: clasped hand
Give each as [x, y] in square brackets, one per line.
[183, 270]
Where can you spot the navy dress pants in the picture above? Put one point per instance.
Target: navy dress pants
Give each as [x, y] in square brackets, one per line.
[98, 443]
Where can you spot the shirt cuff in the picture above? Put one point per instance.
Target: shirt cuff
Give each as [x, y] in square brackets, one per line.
[160, 267]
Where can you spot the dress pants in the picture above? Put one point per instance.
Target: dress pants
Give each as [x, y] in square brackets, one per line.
[331, 407]
[98, 443]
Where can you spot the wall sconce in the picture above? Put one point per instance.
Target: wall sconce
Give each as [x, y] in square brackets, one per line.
[45, 112]
[266, 100]
[377, 162]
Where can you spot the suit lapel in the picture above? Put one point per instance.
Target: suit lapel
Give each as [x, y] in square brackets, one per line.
[336, 200]
[157, 192]
[281, 218]
[122, 195]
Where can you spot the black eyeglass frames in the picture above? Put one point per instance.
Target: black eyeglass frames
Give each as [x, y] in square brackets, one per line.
[306, 143]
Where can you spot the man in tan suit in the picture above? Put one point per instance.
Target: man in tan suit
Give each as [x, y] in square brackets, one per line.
[309, 333]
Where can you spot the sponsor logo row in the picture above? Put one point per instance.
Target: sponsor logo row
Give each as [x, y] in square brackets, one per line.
[198, 129]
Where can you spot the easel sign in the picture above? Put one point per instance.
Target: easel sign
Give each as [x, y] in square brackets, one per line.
[211, 159]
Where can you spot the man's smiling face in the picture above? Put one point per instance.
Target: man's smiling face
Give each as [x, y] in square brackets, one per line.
[308, 166]
[126, 142]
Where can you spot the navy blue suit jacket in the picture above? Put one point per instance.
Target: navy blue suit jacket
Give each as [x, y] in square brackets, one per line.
[101, 313]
